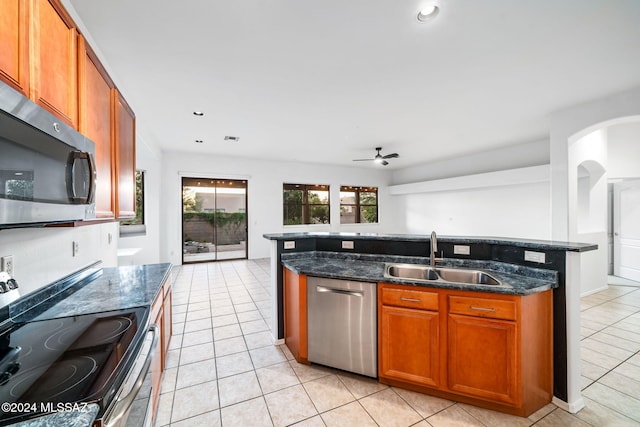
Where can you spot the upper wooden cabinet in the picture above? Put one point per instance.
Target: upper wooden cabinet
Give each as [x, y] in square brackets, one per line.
[125, 155]
[53, 65]
[95, 121]
[44, 56]
[14, 44]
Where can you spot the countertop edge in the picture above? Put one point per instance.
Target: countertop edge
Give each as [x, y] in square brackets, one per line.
[526, 243]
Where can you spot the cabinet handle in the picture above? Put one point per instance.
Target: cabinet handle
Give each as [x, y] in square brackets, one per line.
[409, 299]
[482, 309]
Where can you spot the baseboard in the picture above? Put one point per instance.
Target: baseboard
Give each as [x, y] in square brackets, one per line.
[569, 407]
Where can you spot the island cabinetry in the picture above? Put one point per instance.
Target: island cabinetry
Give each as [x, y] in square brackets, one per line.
[295, 314]
[408, 335]
[14, 44]
[54, 58]
[483, 348]
[490, 350]
[161, 316]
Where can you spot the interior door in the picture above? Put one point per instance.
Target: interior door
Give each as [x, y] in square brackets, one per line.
[626, 229]
[214, 219]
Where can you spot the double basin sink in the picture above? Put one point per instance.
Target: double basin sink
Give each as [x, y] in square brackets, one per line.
[427, 273]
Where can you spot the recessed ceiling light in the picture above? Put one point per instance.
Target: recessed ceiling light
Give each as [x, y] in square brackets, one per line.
[429, 10]
[198, 113]
[199, 141]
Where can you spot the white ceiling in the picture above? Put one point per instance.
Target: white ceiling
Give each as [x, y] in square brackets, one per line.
[327, 81]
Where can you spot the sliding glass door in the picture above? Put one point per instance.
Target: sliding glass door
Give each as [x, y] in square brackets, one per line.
[214, 219]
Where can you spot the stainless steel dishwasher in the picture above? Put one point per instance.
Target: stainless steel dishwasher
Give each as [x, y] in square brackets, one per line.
[342, 325]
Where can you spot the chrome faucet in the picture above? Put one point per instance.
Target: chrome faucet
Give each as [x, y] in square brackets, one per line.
[434, 250]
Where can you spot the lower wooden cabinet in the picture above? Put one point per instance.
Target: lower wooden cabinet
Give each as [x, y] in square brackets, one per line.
[490, 350]
[408, 336]
[295, 314]
[161, 316]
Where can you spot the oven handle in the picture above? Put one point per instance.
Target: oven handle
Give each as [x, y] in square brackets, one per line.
[123, 405]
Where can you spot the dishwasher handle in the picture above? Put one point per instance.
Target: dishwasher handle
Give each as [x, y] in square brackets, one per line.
[348, 292]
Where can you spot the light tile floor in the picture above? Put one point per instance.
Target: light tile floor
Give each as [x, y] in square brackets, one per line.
[224, 370]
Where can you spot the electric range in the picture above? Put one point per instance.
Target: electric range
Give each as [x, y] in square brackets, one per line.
[63, 363]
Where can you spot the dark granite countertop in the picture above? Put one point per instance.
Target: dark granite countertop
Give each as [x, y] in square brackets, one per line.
[104, 290]
[525, 243]
[515, 279]
[82, 417]
[91, 291]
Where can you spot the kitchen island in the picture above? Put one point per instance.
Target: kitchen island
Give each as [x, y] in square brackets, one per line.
[559, 258]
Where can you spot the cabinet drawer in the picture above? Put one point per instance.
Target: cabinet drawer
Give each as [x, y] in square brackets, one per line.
[410, 298]
[483, 307]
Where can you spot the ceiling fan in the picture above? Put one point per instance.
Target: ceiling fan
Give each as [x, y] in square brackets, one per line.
[379, 158]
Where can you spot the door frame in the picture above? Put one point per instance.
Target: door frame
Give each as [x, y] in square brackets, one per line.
[196, 175]
[618, 239]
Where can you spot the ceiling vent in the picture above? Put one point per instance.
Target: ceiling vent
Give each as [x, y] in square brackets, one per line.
[232, 138]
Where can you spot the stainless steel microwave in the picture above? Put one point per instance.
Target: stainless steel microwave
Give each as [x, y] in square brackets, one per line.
[47, 169]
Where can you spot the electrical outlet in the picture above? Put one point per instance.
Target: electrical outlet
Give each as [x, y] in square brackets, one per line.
[290, 244]
[347, 244]
[76, 248]
[532, 256]
[7, 265]
[461, 249]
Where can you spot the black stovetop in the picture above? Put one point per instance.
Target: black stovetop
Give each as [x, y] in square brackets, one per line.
[78, 359]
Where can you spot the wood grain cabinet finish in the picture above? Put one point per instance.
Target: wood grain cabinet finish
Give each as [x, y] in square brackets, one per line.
[295, 314]
[160, 315]
[490, 350]
[14, 44]
[95, 121]
[53, 60]
[409, 345]
[125, 157]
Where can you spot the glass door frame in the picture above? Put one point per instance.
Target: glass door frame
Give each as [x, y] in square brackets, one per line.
[213, 180]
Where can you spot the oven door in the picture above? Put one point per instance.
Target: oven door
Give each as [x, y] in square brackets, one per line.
[132, 405]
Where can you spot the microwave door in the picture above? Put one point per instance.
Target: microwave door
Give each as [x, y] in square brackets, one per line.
[81, 173]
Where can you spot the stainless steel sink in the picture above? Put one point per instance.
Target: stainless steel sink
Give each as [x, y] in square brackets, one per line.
[439, 274]
[472, 277]
[410, 271]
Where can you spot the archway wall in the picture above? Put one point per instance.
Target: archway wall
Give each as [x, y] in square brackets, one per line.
[570, 125]
[567, 127]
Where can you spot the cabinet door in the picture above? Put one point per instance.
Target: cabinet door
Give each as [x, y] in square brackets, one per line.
[408, 347]
[95, 120]
[295, 314]
[167, 328]
[54, 79]
[14, 44]
[156, 363]
[125, 154]
[482, 358]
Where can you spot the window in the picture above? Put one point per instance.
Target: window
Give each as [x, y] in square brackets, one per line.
[136, 225]
[358, 205]
[305, 204]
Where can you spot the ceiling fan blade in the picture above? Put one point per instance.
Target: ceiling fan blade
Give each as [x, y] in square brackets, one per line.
[391, 156]
[363, 160]
[384, 163]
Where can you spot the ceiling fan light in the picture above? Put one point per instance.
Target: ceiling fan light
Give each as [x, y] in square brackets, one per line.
[378, 160]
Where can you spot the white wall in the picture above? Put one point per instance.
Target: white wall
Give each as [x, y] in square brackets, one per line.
[148, 159]
[587, 214]
[509, 157]
[501, 211]
[264, 189]
[520, 211]
[624, 151]
[43, 255]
